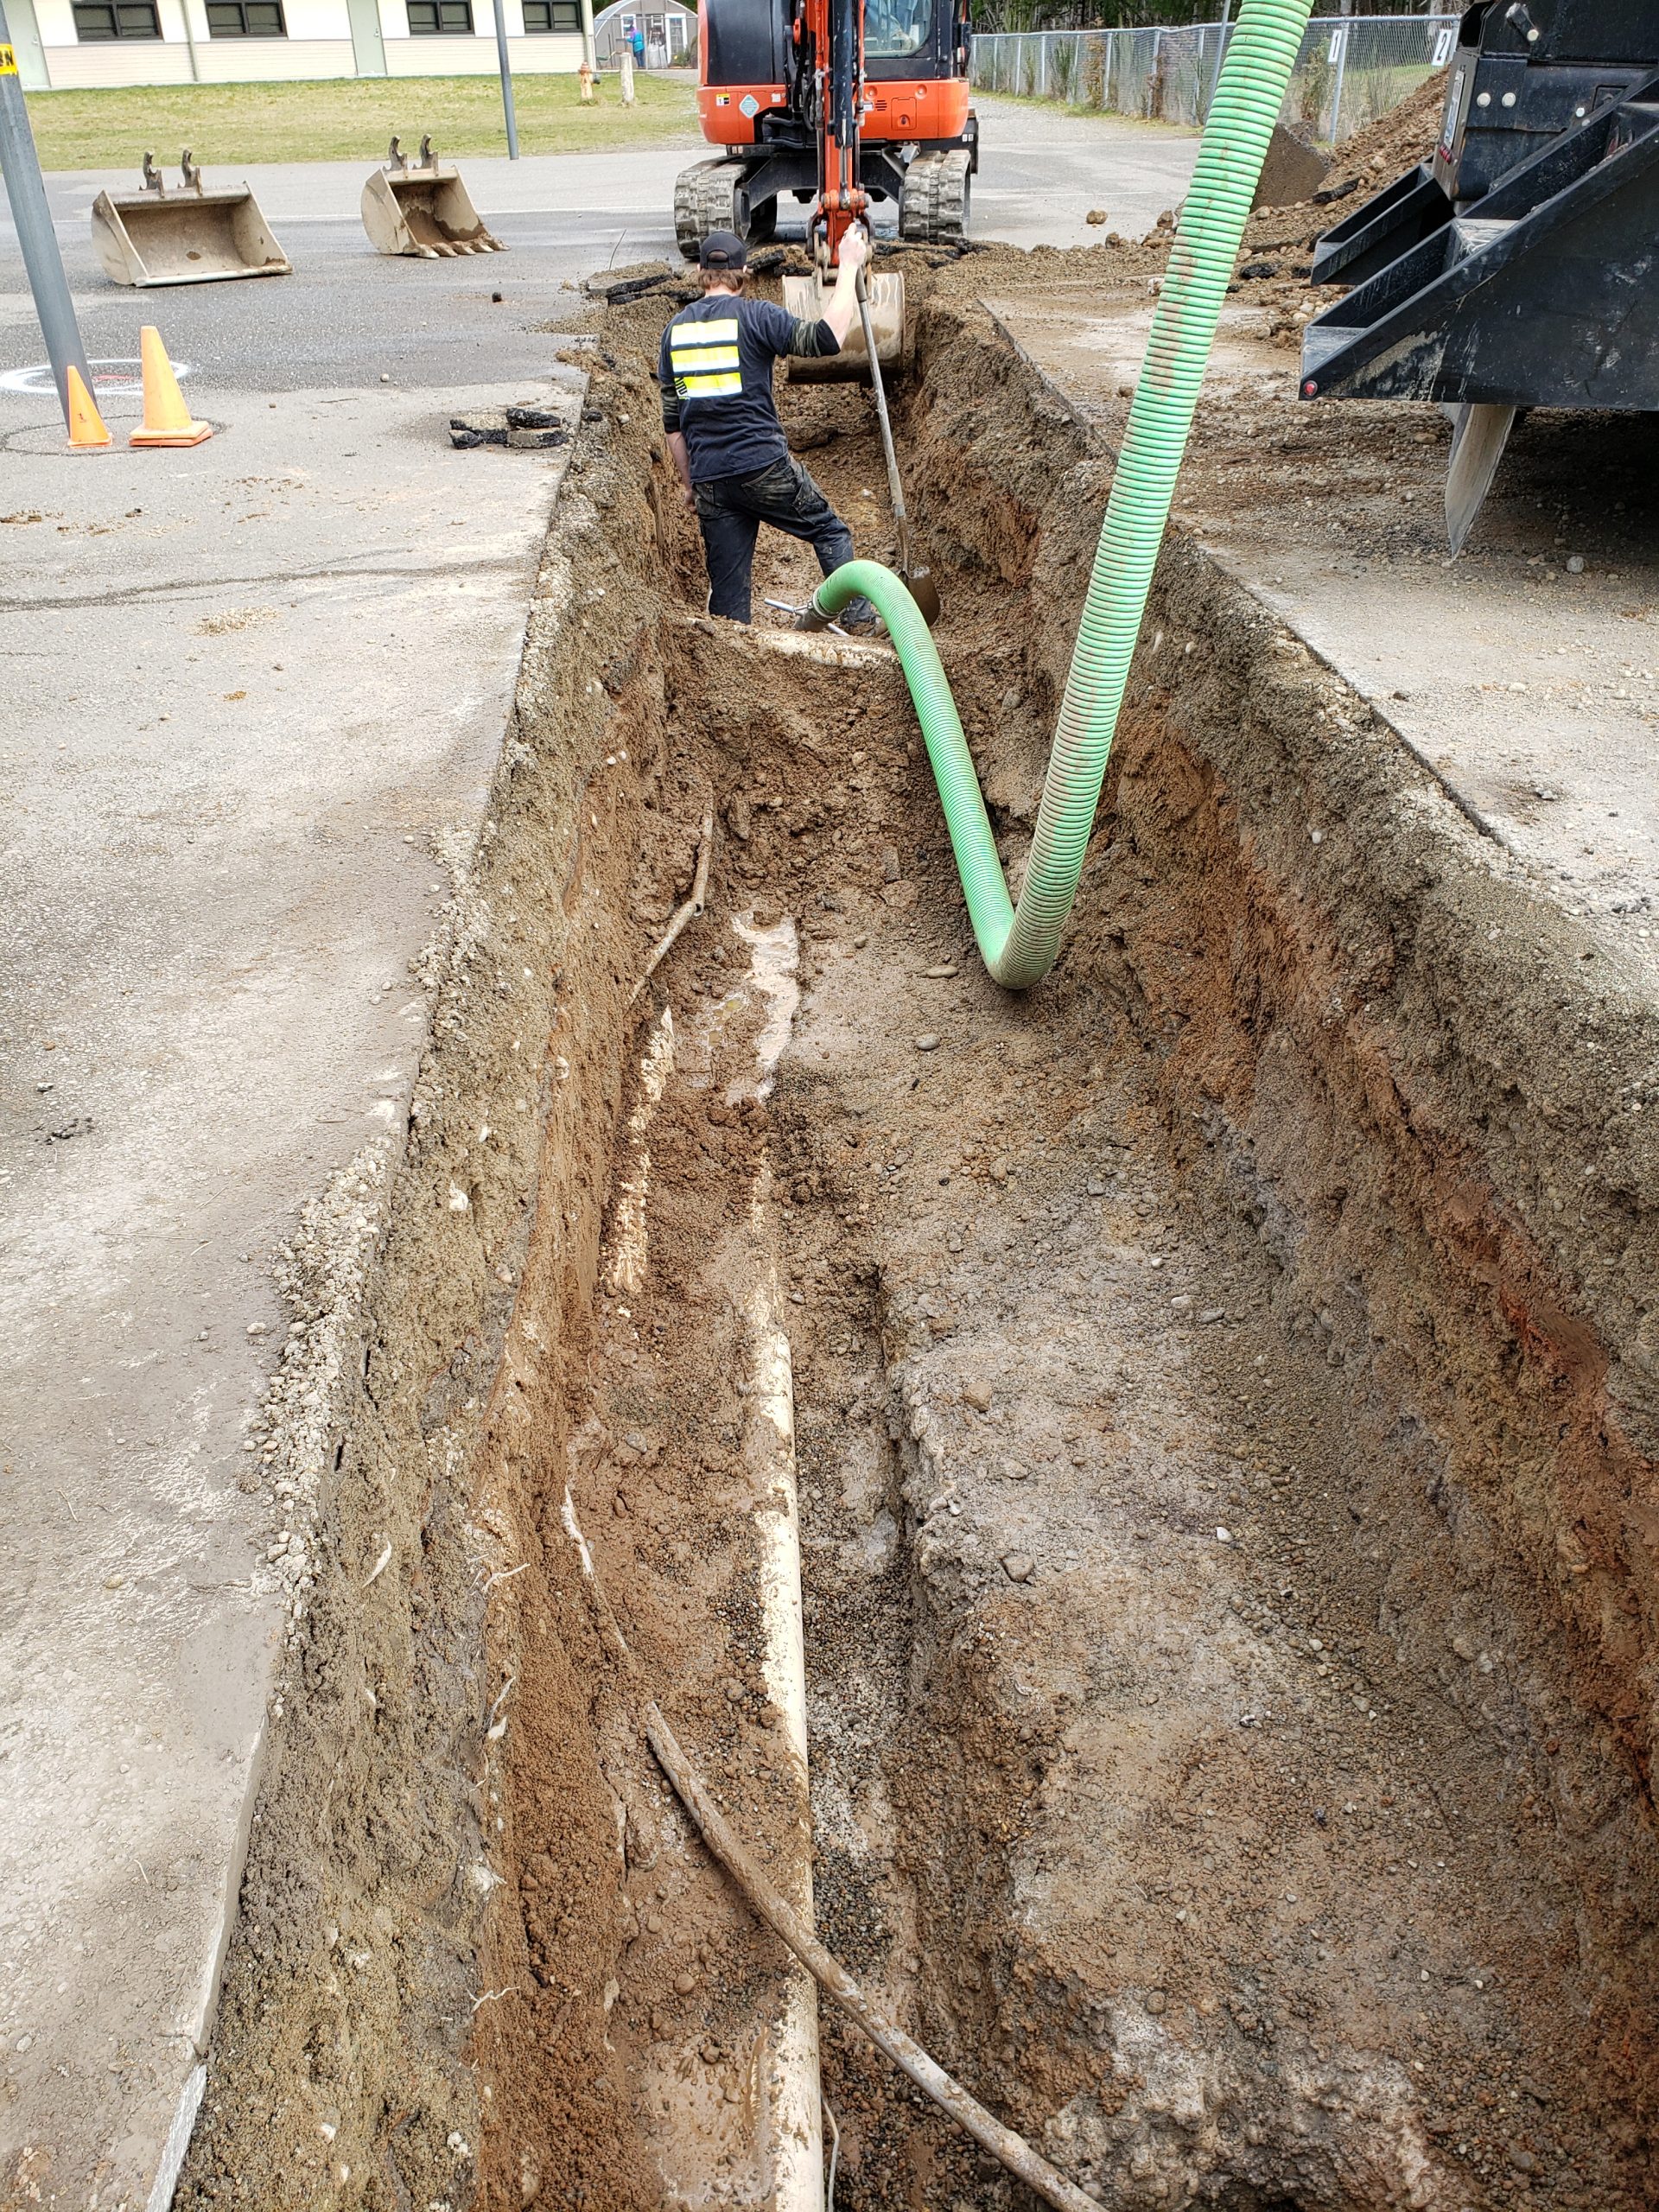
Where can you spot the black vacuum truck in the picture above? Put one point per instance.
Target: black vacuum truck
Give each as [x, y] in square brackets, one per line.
[1520, 266]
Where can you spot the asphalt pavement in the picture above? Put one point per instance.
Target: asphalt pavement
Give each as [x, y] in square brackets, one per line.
[354, 315]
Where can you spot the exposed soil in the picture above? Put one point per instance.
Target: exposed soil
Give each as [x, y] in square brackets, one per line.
[1224, 1407]
[1276, 258]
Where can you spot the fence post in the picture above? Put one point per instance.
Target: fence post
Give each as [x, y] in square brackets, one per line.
[1344, 31]
[1221, 54]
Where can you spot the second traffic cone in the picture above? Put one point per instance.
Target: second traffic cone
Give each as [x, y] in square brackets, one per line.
[167, 419]
[86, 426]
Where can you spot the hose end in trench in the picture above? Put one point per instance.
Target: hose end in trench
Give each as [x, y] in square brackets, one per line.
[1020, 945]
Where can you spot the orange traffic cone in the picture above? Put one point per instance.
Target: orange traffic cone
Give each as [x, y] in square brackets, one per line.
[87, 427]
[167, 419]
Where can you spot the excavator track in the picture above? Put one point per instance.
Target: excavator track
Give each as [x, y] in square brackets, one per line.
[704, 199]
[938, 189]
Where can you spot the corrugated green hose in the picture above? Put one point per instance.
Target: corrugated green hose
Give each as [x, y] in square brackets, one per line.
[1020, 943]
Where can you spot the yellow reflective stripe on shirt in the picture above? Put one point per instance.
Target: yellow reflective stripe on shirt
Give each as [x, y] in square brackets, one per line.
[708, 357]
[710, 387]
[720, 331]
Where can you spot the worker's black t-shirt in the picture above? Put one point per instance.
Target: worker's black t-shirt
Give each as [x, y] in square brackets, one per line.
[716, 372]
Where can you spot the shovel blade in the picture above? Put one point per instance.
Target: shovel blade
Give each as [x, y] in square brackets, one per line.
[1480, 433]
[922, 589]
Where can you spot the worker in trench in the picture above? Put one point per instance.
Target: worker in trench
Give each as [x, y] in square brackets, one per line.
[735, 466]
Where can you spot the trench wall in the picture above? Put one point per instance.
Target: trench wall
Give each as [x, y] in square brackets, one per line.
[358, 2046]
[1420, 1082]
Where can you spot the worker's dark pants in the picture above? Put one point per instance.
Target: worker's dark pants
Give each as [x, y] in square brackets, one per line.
[731, 509]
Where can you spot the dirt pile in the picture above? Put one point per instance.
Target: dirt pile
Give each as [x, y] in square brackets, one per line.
[1276, 256]
[1279, 242]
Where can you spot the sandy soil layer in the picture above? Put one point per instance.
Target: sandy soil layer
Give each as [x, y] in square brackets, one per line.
[1224, 1419]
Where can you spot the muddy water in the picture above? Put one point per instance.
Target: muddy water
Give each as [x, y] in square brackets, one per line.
[1223, 1665]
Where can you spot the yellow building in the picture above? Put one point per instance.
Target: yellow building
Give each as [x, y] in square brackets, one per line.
[62, 43]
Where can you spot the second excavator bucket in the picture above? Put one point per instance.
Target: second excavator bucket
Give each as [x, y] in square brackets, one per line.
[806, 298]
[422, 207]
[187, 236]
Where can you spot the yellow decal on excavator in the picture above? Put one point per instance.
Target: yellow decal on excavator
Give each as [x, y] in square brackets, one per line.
[8, 61]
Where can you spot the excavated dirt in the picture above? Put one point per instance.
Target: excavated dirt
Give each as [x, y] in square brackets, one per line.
[1276, 258]
[1225, 1389]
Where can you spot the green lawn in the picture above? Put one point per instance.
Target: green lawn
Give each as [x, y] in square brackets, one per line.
[350, 119]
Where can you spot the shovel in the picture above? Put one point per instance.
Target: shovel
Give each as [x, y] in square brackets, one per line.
[917, 580]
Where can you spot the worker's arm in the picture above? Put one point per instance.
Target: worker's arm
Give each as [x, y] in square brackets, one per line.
[677, 452]
[843, 310]
[828, 334]
[681, 460]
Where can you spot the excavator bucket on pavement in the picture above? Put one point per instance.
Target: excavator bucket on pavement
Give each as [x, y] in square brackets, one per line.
[187, 236]
[422, 207]
[807, 297]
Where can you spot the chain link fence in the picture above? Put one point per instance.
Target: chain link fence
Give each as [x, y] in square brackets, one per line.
[1350, 70]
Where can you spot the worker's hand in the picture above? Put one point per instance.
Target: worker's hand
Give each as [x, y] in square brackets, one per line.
[854, 248]
[687, 498]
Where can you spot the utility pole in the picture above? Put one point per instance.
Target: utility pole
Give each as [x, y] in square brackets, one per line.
[20, 166]
[587, 37]
[506, 77]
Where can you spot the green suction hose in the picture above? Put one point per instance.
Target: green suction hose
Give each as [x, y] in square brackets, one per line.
[1020, 943]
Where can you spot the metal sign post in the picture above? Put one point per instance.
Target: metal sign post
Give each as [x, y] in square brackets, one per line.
[506, 79]
[20, 166]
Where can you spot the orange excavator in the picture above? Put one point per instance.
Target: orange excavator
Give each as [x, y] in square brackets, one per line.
[834, 103]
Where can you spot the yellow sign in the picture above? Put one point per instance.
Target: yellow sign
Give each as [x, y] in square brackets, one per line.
[8, 61]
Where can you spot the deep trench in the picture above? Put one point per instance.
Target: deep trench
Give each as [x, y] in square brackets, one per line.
[1222, 1468]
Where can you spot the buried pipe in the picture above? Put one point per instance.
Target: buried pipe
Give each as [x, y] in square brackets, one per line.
[1010, 2150]
[1020, 943]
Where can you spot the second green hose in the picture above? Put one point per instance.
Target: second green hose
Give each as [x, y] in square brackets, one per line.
[1020, 943]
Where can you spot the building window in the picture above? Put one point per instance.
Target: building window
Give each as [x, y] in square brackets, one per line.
[97, 20]
[246, 19]
[552, 16]
[440, 18]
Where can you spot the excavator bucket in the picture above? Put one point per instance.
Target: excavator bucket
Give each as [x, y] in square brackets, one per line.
[422, 207]
[806, 298]
[187, 236]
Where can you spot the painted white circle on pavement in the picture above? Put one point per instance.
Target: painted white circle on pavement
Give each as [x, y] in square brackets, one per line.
[114, 377]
